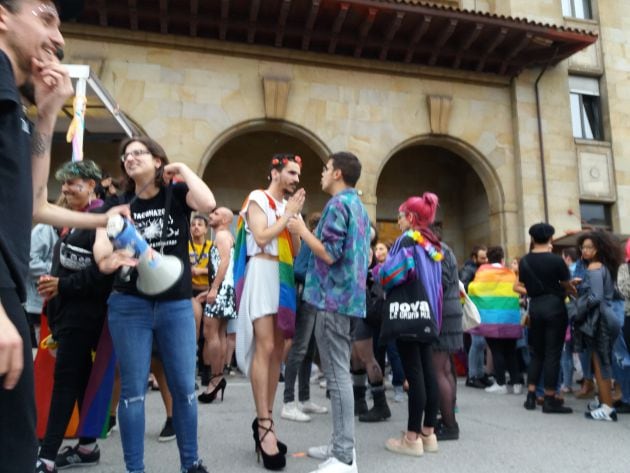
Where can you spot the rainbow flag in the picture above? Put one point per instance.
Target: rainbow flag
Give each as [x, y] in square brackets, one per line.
[491, 291]
[94, 418]
[286, 254]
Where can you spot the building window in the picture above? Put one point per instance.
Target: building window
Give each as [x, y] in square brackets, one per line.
[586, 112]
[577, 9]
[595, 215]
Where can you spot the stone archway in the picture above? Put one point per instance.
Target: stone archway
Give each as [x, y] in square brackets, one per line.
[471, 195]
[237, 161]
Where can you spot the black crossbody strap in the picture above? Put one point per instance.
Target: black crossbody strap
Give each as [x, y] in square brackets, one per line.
[167, 211]
[529, 268]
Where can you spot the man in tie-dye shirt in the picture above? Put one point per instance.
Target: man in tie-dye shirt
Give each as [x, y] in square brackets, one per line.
[335, 285]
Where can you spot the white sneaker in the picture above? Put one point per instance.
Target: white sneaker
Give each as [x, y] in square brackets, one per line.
[309, 407]
[603, 412]
[322, 384]
[322, 452]
[290, 411]
[332, 465]
[496, 389]
[517, 389]
[399, 394]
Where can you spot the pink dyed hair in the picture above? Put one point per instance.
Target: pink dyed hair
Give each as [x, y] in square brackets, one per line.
[628, 251]
[421, 209]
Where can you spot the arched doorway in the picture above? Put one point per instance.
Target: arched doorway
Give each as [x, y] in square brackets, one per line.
[238, 161]
[466, 208]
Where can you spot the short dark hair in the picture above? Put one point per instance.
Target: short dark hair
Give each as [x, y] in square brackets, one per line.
[495, 254]
[280, 160]
[11, 5]
[571, 253]
[156, 151]
[349, 165]
[200, 217]
[541, 232]
[313, 220]
[476, 249]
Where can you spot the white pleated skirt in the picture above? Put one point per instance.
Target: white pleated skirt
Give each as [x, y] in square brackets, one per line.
[261, 297]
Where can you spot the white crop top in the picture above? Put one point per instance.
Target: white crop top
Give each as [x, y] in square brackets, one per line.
[260, 197]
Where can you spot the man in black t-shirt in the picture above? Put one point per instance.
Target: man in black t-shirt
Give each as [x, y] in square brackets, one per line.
[29, 39]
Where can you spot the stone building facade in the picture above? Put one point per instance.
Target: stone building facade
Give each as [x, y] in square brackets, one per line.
[223, 108]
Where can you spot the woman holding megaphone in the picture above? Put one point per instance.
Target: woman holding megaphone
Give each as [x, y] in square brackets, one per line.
[138, 312]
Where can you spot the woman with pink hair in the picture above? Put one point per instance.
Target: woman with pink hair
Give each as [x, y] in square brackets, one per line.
[419, 251]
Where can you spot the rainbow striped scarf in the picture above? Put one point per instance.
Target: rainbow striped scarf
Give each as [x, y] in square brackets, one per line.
[286, 254]
[491, 291]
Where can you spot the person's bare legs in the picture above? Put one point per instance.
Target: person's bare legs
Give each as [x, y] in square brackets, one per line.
[158, 370]
[230, 346]
[604, 385]
[198, 313]
[214, 348]
[265, 373]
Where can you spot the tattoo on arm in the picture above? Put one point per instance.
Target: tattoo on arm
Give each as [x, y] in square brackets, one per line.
[40, 145]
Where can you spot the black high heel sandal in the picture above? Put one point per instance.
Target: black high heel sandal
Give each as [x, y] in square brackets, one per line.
[276, 461]
[207, 398]
[282, 447]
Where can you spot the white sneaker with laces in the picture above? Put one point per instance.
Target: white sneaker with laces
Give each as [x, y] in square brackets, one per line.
[517, 389]
[496, 389]
[309, 407]
[332, 465]
[290, 411]
[321, 452]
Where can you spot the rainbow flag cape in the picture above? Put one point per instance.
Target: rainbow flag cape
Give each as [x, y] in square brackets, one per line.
[286, 254]
[94, 419]
[96, 402]
[491, 291]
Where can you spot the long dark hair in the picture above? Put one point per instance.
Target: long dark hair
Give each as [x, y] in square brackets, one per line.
[608, 248]
[156, 151]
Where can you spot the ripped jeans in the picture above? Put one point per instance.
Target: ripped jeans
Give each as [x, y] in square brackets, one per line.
[133, 322]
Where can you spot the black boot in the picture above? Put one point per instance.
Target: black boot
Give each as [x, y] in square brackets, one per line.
[360, 404]
[551, 405]
[380, 411]
[530, 401]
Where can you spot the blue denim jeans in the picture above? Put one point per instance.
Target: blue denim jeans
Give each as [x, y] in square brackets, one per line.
[133, 322]
[566, 364]
[476, 356]
[300, 355]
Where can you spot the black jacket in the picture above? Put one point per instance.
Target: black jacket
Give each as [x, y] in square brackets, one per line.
[83, 289]
[467, 273]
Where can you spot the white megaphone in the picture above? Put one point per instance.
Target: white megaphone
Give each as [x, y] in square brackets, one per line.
[156, 273]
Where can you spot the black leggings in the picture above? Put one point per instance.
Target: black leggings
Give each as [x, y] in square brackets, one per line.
[417, 361]
[72, 372]
[548, 325]
[446, 381]
[504, 358]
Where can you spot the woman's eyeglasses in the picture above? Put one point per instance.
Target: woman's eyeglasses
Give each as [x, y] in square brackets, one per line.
[136, 153]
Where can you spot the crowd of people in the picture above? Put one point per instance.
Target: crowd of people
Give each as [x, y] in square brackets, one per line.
[342, 296]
